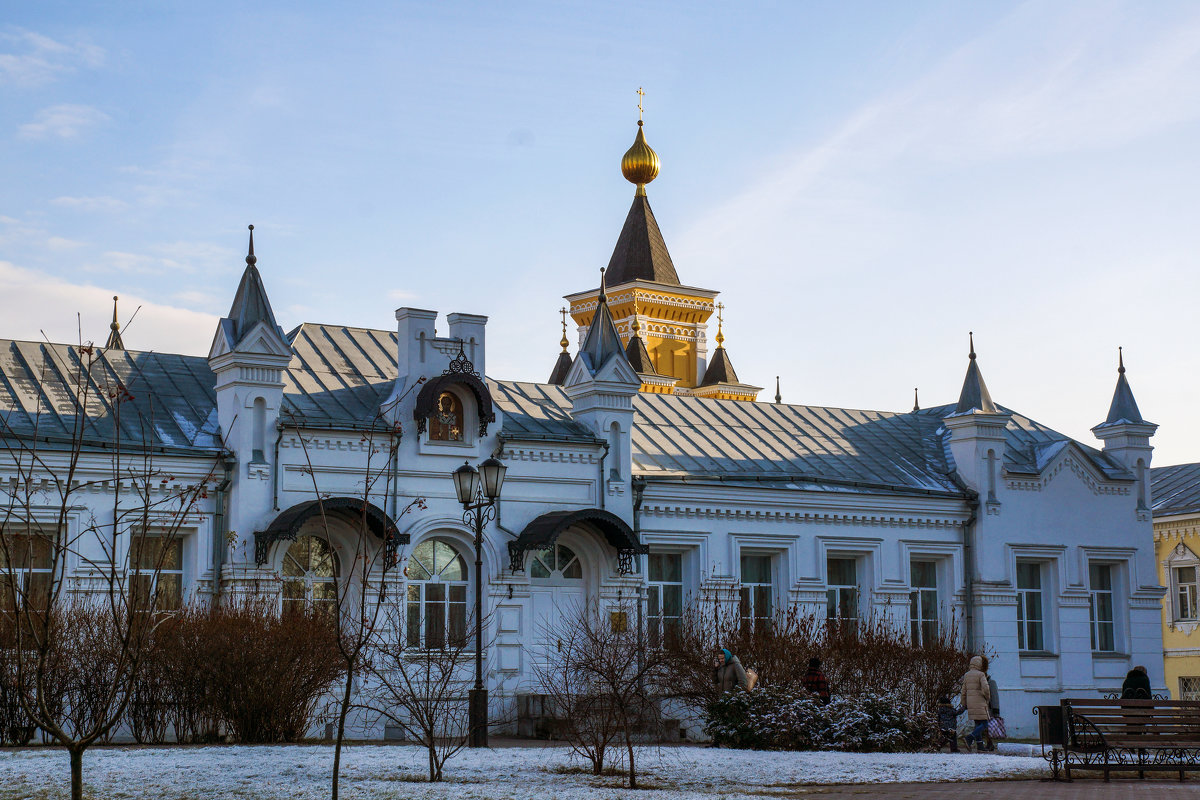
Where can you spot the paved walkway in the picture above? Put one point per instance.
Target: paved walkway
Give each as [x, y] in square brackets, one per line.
[1080, 789]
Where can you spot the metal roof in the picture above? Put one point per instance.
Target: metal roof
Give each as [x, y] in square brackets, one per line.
[134, 397]
[339, 376]
[641, 252]
[1175, 489]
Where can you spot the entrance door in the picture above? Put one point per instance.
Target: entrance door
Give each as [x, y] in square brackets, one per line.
[558, 594]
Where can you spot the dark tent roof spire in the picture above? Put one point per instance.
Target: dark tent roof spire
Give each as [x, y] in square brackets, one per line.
[114, 331]
[250, 304]
[559, 373]
[974, 396]
[778, 396]
[720, 369]
[635, 348]
[1123, 408]
[916, 400]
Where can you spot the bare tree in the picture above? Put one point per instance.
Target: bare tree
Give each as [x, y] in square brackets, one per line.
[423, 689]
[598, 674]
[81, 596]
[361, 590]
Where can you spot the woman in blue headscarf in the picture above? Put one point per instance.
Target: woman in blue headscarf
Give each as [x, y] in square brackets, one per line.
[728, 671]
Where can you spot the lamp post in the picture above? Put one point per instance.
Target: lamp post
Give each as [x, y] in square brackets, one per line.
[478, 490]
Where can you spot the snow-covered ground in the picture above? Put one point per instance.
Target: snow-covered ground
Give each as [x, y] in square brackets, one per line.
[512, 773]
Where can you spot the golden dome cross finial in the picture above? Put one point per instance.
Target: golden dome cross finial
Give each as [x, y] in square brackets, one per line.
[640, 163]
[720, 324]
[637, 327]
[564, 342]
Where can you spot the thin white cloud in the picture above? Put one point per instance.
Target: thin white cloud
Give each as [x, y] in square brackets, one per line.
[63, 121]
[100, 203]
[29, 59]
[59, 243]
[32, 302]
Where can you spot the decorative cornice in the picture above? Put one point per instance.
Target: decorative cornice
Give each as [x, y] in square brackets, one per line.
[549, 455]
[759, 514]
[1089, 479]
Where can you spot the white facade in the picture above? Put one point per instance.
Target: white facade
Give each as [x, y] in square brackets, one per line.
[1026, 523]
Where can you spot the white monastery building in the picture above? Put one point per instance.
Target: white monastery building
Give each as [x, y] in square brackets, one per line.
[644, 468]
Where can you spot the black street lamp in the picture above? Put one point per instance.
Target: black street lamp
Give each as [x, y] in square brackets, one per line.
[478, 490]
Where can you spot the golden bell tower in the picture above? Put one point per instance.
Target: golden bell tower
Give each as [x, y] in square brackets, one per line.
[647, 300]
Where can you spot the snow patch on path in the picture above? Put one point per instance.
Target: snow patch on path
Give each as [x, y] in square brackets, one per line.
[382, 772]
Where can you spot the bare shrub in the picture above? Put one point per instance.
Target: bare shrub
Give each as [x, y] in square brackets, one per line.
[870, 656]
[243, 665]
[422, 691]
[598, 675]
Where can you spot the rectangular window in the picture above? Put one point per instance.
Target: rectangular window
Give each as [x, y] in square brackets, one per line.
[1189, 688]
[841, 594]
[664, 596]
[1030, 617]
[1187, 589]
[756, 590]
[1100, 604]
[436, 615]
[156, 573]
[923, 602]
[31, 558]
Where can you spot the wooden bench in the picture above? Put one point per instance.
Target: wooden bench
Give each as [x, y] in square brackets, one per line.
[1127, 735]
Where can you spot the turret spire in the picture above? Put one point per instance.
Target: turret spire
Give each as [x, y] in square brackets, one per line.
[778, 396]
[602, 340]
[114, 331]
[916, 400]
[250, 304]
[974, 396]
[1123, 407]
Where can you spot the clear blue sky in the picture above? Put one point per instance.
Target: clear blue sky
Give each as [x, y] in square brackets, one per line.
[863, 181]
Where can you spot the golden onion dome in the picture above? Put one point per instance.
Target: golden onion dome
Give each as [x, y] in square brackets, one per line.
[640, 163]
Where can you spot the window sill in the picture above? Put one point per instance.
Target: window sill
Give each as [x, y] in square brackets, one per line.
[1037, 654]
[1110, 655]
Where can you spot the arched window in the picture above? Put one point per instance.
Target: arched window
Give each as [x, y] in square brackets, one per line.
[558, 561]
[446, 423]
[437, 596]
[310, 571]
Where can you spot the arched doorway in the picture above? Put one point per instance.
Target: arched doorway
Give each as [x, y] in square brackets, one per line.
[558, 591]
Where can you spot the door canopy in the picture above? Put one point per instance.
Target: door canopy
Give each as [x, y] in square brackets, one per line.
[544, 530]
[347, 510]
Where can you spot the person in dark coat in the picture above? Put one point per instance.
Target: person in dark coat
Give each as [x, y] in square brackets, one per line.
[814, 681]
[1136, 685]
[947, 717]
[728, 672]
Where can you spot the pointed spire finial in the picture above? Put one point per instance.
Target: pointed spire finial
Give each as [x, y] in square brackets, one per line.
[778, 396]
[637, 326]
[114, 331]
[916, 401]
[250, 259]
[564, 341]
[720, 325]
[972, 335]
[1120, 361]
[603, 298]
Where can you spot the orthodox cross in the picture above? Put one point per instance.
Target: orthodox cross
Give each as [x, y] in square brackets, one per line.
[641, 94]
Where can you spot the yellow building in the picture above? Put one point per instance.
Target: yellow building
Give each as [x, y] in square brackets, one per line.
[1176, 493]
[663, 324]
